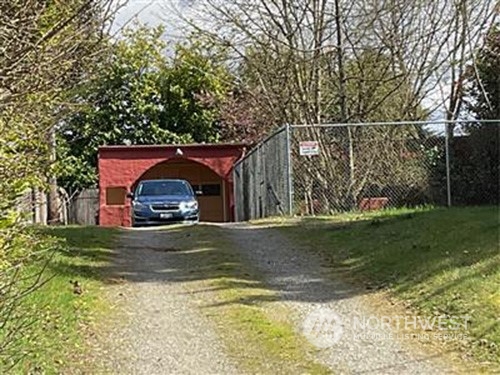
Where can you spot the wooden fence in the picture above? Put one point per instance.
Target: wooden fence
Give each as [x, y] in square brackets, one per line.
[83, 208]
[80, 209]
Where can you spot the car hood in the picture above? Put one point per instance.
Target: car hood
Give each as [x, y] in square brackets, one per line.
[164, 198]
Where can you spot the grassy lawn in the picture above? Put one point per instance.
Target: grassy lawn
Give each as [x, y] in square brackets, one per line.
[436, 261]
[56, 340]
[233, 296]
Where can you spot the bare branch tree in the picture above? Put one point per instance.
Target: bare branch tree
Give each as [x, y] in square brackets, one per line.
[342, 61]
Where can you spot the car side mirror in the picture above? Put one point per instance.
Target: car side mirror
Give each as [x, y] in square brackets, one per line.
[130, 195]
[198, 192]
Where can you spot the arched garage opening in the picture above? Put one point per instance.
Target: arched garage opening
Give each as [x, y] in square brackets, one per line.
[210, 187]
[207, 167]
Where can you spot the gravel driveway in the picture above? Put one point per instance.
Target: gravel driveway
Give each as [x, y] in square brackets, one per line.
[299, 279]
[162, 331]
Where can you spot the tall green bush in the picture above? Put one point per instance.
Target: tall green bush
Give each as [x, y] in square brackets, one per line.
[47, 50]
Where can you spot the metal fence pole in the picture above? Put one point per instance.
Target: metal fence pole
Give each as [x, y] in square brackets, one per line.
[447, 151]
[289, 169]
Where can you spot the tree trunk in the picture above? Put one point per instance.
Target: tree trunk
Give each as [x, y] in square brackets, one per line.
[54, 201]
[342, 104]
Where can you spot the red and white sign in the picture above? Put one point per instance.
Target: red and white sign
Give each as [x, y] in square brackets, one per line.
[308, 148]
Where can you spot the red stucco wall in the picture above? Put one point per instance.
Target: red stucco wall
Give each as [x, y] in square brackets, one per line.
[122, 166]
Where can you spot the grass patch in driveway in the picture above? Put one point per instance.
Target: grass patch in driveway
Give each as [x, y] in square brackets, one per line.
[253, 326]
[441, 262]
[56, 340]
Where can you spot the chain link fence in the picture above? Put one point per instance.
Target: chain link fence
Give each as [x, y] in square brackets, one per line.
[327, 169]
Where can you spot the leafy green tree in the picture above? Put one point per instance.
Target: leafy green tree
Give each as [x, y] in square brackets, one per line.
[476, 157]
[484, 96]
[190, 89]
[141, 97]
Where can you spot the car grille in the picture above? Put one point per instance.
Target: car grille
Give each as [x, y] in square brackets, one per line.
[165, 207]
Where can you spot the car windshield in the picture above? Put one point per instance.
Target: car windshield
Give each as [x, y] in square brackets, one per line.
[163, 188]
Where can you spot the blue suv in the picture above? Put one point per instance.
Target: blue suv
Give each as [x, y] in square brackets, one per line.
[161, 201]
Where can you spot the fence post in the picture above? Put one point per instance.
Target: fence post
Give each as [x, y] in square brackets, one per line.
[289, 170]
[447, 151]
[235, 194]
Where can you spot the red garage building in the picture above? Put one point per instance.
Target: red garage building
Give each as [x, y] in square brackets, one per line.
[207, 167]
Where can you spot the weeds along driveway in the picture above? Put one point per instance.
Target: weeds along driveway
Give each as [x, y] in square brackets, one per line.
[303, 287]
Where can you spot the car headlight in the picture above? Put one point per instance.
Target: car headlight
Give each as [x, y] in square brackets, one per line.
[138, 205]
[193, 205]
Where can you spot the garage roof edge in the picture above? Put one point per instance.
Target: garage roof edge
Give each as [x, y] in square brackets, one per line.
[191, 145]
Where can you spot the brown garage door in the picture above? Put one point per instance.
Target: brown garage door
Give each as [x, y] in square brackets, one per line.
[202, 179]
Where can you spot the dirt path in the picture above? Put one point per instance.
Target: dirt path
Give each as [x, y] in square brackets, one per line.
[162, 331]
[299, 280]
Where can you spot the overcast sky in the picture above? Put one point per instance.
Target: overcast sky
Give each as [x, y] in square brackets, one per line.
[153, 13]
[147, 10]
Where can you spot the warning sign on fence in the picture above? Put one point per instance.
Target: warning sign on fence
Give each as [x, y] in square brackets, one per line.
[308, 148]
